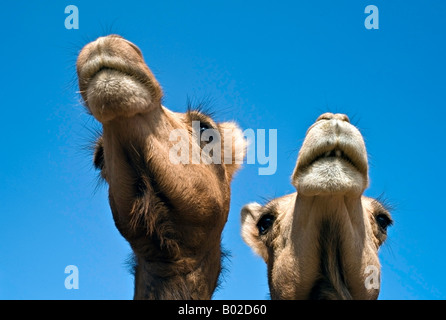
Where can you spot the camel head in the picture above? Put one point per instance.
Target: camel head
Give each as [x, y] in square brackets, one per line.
[322, 241]
[169, 199]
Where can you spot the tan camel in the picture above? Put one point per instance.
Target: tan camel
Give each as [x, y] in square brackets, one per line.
[322, 241]
[171, 214]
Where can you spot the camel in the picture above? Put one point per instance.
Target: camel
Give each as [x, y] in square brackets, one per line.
[172, 214]
[322, 241]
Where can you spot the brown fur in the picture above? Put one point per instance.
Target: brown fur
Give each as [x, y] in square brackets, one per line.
[320, 242]
[171, 214]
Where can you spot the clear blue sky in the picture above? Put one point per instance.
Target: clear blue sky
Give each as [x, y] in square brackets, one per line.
[267, 65]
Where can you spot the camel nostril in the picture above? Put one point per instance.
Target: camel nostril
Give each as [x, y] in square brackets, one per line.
[326, 116]
[331, 116]
[342, 117]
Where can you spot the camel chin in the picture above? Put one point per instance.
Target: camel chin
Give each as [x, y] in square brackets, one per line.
[112, 94]
[330, 177]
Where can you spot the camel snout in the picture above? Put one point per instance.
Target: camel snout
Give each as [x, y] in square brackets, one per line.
[114, 80]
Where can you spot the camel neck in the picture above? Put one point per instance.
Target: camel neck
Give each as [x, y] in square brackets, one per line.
[326, 205]
[187, 279]
[331, 222]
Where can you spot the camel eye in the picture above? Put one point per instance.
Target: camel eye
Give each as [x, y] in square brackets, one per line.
[383, 221]
[203, 127]
[265, 223]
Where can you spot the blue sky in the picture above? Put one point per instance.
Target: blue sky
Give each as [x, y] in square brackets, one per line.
[267, 65]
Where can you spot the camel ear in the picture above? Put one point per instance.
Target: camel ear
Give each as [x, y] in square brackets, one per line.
[250, 234]
[234, 145]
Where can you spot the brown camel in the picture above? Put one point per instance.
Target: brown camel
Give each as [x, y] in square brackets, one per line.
[322, 241]
[171, 211]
